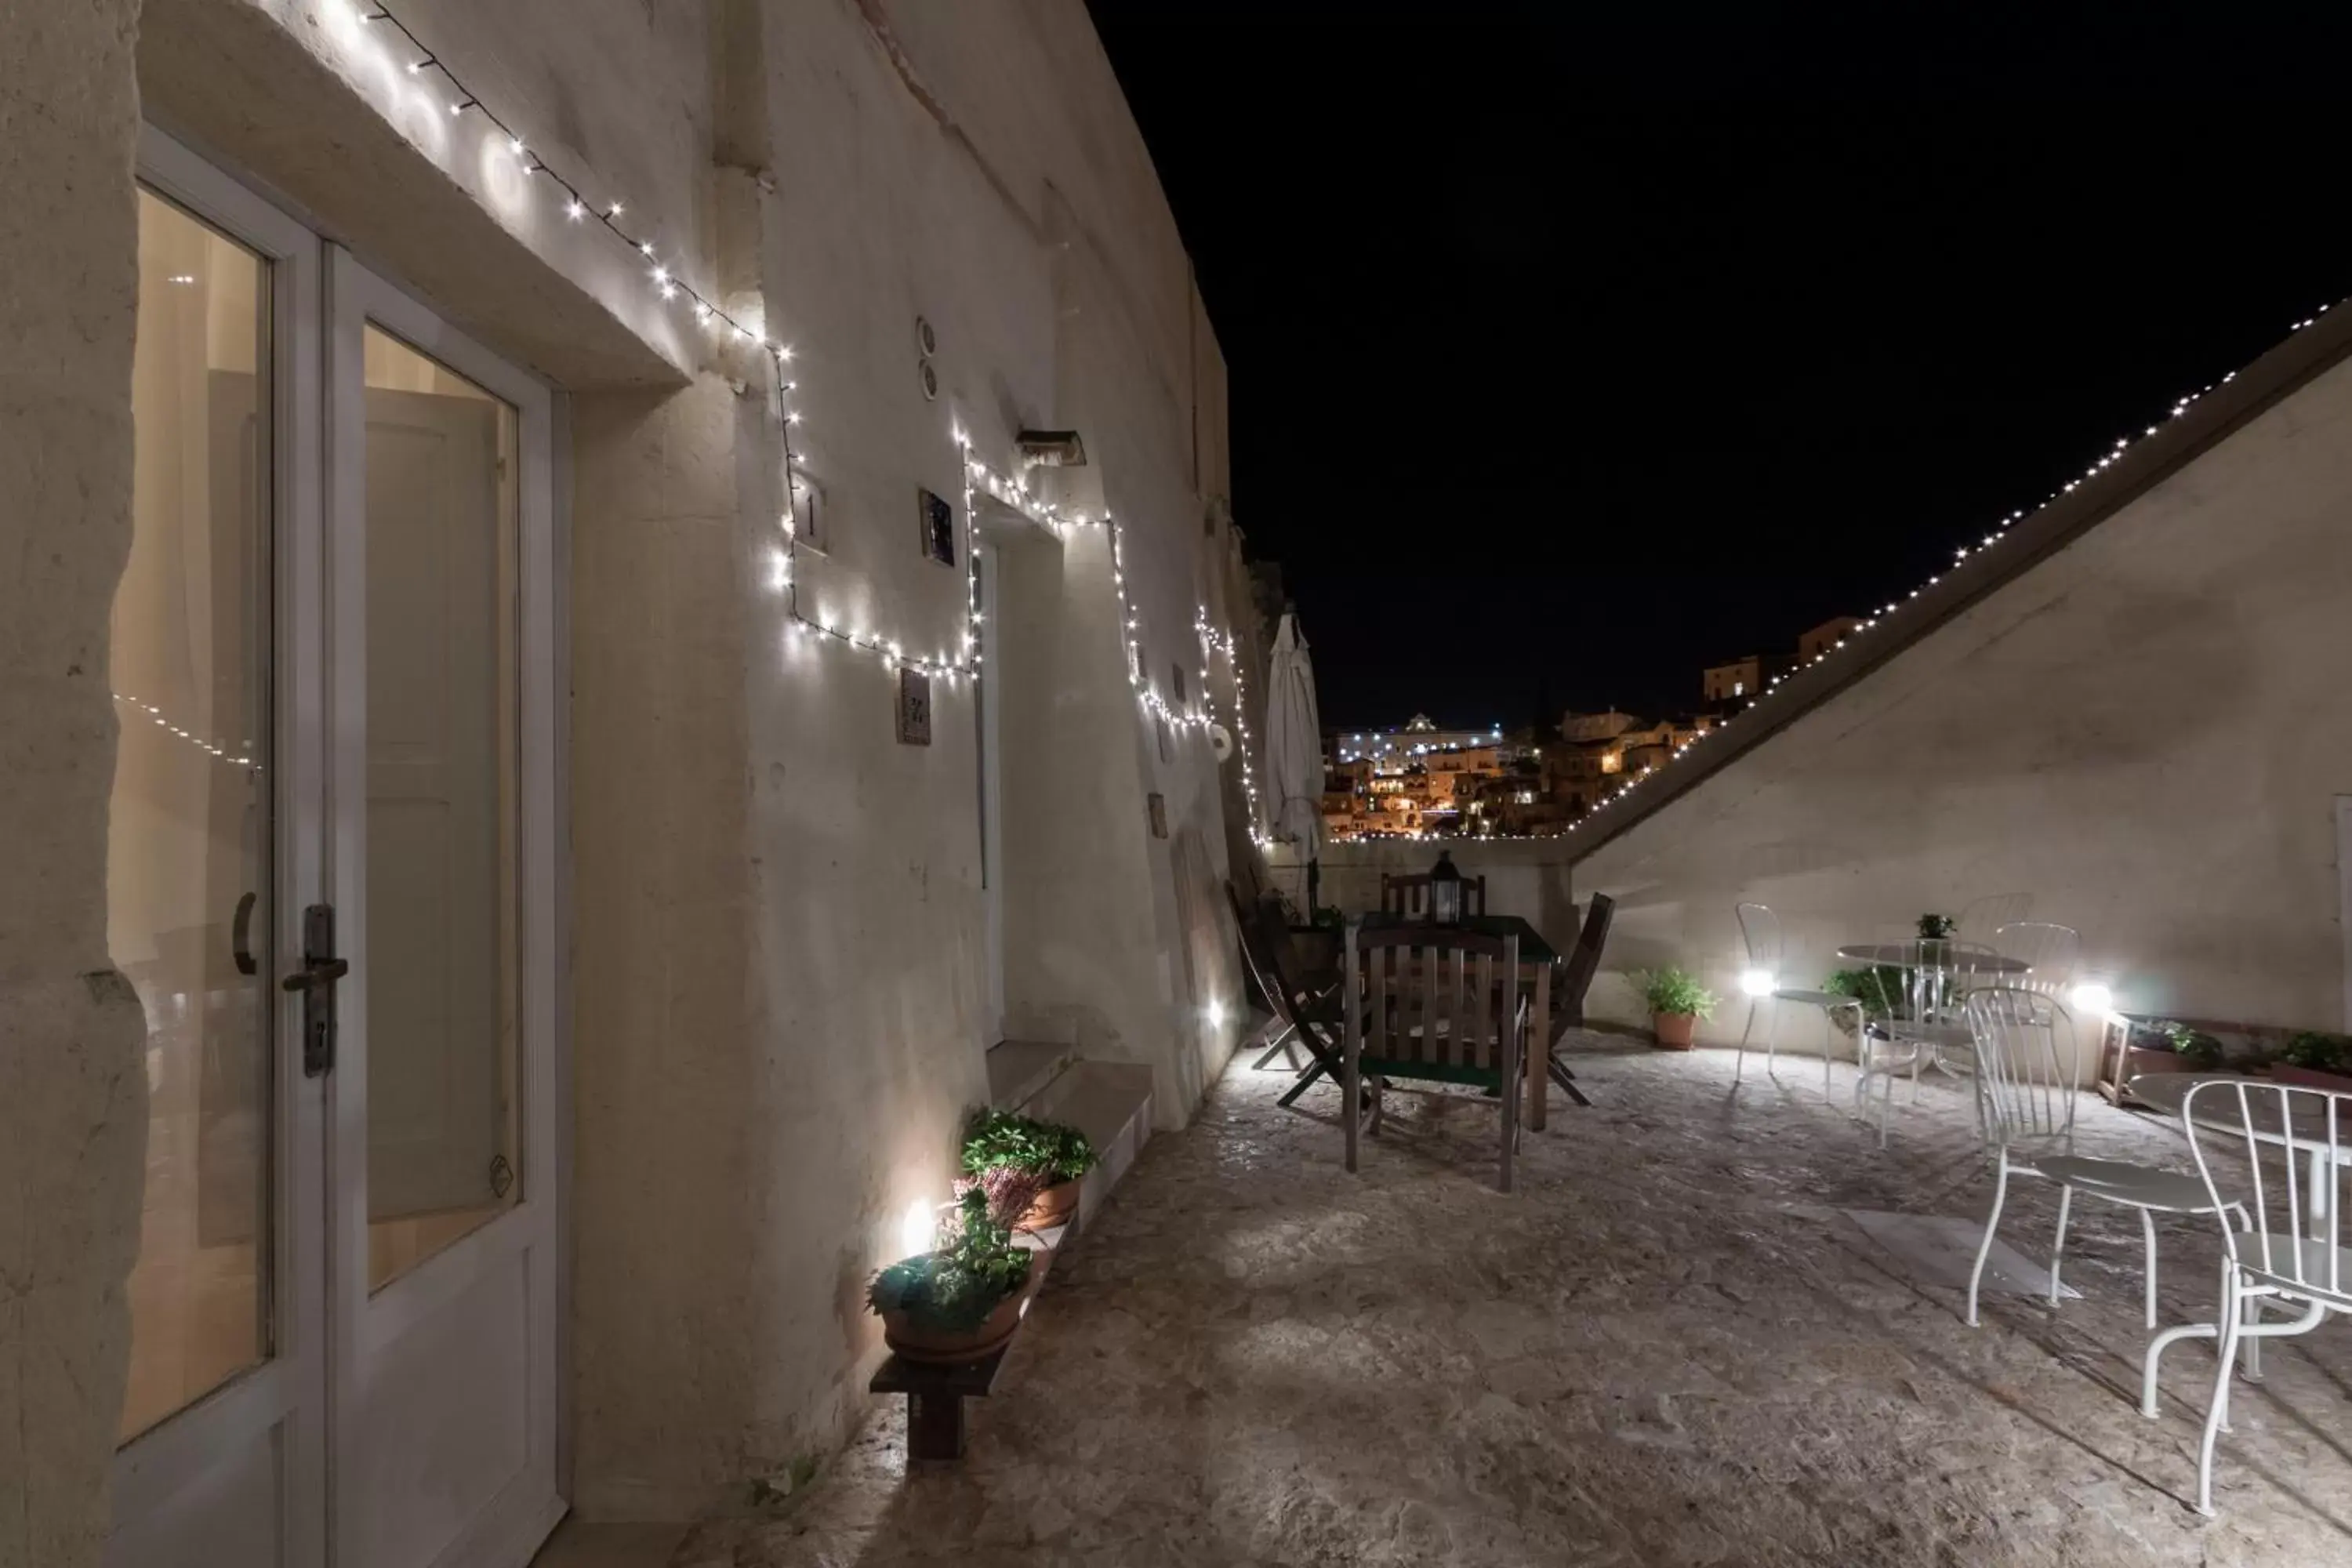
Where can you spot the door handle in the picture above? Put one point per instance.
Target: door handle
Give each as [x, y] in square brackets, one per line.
[315, 982]
[317, 972]
[240, 936]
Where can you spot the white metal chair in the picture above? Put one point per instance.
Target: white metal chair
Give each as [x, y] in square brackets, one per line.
[2050, 953]
[1980, 919]
[1919, 1025]
[2025, 1110]
[1759, 931]
[2291, 1251]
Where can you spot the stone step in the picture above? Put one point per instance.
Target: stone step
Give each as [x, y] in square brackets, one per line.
[1021, 1070]
[1110, 1102]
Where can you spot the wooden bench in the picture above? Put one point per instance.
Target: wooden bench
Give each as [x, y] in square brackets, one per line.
[935, 1395]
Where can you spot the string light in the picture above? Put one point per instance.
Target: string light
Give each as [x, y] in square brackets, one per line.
[1961, 553]
[667, 286]
[162, 721]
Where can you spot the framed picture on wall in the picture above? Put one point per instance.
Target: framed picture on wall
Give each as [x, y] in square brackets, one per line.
[938, 530]
[914, 707]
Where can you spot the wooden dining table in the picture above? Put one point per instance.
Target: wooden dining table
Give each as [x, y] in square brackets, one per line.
[1537, 960]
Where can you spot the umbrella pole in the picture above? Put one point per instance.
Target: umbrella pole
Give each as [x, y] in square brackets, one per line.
[1314, 887]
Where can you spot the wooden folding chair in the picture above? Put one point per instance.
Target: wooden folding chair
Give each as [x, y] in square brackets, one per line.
[1575, 980]
[1443, 1006]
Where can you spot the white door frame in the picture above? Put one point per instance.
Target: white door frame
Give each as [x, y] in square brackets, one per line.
[504, 1533]
[987, 693]
[303, 1409]
[162, 1481]
[2343, 895]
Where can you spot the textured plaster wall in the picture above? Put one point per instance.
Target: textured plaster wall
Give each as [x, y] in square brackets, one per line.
[2144, 732]
[784, 992]
[72, 1087]
[779, 967]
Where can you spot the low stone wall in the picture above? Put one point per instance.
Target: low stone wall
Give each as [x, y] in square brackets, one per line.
[1525, 877]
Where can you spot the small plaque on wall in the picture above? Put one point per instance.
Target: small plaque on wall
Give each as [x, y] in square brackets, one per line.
[937, 519]
[1159, 803]
[914, 707]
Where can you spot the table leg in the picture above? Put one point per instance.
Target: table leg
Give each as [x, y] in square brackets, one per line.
[1538, 1049]
[934, 1426]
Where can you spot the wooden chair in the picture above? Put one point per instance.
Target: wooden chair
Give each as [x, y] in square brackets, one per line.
[1575, 980]
[1440, 1005]
[1306, 1006]
[1258, 961]
[1408, 895]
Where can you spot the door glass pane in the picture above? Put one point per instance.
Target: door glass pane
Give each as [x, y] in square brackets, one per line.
[188, 825]
[444, 1102]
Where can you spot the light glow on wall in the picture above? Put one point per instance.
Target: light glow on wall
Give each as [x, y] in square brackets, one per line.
[917, 1229]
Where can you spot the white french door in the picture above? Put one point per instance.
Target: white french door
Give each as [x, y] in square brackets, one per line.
[332, 881]
[442, 1177]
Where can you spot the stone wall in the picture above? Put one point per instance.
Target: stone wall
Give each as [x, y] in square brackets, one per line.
[72, 1086]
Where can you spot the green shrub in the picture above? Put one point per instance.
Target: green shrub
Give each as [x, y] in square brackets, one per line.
[1879, 988]
[955, 1288]
[2319, 1052]
[1936, 928]
[1052, 1150]
[1675, 990]
[2198, 1051]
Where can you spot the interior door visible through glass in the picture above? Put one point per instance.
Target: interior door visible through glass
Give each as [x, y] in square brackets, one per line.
[189, 820]
[443, 1019]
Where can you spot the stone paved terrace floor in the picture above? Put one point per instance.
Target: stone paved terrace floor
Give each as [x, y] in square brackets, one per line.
[1668, 1348]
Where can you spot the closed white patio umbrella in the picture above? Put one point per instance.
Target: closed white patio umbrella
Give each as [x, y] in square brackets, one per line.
[1294, 751]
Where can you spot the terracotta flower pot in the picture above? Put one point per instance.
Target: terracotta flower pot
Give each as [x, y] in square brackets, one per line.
[918, 1344]
[1053, 1206]
[2309, 1078]
[1675, 1029]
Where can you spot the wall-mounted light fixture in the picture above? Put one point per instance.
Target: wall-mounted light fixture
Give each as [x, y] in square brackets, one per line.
[1052, 449]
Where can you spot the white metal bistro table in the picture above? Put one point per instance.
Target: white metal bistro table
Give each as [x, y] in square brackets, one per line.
[1936, 1038]
[1906, 955]
[2259, 1116]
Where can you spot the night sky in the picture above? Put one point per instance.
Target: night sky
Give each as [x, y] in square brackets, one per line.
[1573, 348]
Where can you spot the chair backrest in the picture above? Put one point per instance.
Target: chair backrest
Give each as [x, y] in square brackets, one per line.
[1432, 996]
[1257, 957]
[2022, 1097]
[1981, 918]
[2051, 950]
[1407, 894]
[2284, 1137]
[1759, 931]
[1288, 970]
[1941, 976]
[1584, 960]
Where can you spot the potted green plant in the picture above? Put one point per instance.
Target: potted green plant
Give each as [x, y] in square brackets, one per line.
[960, 1300]
[1678, 1002]
[1937, 928]
[1879, 988]
[1055, 1154]
[2314, 1060]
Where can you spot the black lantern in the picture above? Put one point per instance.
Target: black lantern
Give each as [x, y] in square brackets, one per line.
[1446, 890]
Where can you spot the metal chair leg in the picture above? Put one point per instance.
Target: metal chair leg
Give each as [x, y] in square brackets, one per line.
[2058, 1251]
[1984, 1247]
[2147, 1229]
[2218, 1414]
